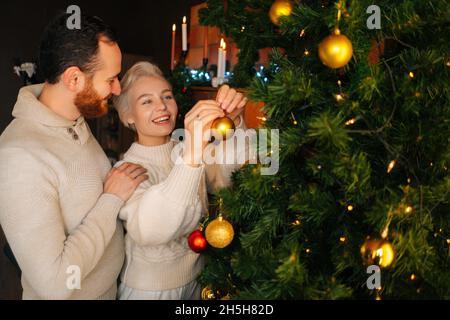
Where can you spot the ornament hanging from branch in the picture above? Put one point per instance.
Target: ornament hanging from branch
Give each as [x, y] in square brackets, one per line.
[336, 50]
[279, 9]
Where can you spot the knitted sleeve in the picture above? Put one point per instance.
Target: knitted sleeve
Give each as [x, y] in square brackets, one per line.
[31, 219]
[159, 213]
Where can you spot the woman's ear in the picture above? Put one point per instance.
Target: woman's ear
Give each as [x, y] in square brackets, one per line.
[74, 79]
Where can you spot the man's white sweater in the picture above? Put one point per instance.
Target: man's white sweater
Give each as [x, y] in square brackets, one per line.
[55, 216]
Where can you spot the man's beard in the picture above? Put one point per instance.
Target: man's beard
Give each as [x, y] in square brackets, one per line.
[89, 103]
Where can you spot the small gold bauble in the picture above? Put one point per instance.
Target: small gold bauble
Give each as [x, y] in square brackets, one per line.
[379, 252]
[336, 50]
[219, 233]
[208, 294]
[223, 128]
[278, 9]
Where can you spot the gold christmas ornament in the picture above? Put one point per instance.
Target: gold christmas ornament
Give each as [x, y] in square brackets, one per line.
[336, 50]
[379, 252]
[219, 233]
[223, 128]
[280, 8]
[208, 294]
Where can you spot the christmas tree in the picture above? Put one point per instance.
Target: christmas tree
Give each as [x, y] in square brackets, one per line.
[362, 106]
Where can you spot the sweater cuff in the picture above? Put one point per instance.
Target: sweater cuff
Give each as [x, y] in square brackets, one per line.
[183, 182]
[109, 203]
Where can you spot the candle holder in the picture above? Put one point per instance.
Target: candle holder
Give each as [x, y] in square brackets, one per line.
[183, 57]
[205, 64]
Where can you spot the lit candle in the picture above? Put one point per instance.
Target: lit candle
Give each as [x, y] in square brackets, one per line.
[219, 59]
[205, 43]
[184, 34]
[172, 56]
[224, 59]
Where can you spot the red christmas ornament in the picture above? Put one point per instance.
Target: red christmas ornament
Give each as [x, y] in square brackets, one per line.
[184, 90]
[197, 241]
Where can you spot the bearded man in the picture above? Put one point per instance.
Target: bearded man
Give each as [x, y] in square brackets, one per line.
[59, 198]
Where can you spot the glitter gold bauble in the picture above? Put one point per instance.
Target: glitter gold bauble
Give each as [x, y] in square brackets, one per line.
[280, 8]
[336, 50]
[208, 294]
[379, 252]
[219, 233]
[223, 128]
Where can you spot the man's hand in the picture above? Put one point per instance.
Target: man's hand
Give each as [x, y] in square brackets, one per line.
[123, 180]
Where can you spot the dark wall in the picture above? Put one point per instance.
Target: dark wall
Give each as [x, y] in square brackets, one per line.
[143, 26]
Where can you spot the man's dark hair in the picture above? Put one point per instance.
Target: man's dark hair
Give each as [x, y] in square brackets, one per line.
[62, 47]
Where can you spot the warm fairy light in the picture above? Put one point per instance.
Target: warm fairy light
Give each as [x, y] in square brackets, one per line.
[296, 223]
[448, 241]
[308, 250]
[351, 121]
[413, 277]
[306, 52]
[302, 33]
[448, 64]
[295, 122]
[184, 19]
[391, 166]
[339, 83]
[342, 239]
[319, 167]
[408, 209]
[431, 164]
[350, 208]
[339, 97]
[262, 118]
[409, 180]
[243, 28]
[411, 74]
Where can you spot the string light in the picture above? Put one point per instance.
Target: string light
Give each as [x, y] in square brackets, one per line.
[294, 121]
[448, 241]
[342, 239]
[413, 277]
[243, 28]
[296, 222]
[411, 74]
[339, 97]
[306, 52]
[408, 209]
[350, 122]
[448, 63]
[302, 33]
[308, 250]
[350, 208]
[391, 166]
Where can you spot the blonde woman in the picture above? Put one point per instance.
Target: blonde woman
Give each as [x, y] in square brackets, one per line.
[164, 210]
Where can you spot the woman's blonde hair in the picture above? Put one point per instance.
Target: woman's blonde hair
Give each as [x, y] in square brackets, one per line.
[137, 71]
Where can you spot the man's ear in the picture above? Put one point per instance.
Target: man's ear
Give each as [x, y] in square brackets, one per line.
[74, 79]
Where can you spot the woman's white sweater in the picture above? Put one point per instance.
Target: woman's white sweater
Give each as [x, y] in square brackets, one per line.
[161, 214]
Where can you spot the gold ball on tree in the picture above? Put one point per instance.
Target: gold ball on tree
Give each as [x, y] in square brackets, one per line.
[336, 50]
[379, 252]
[223, 128]
[279, 8]
[208, 294]
[219, 233]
